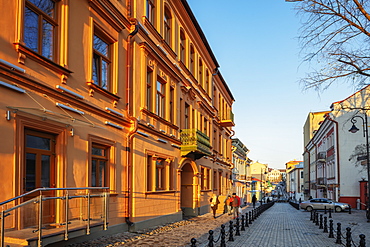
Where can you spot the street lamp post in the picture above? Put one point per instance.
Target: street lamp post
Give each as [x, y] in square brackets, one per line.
[354, 129]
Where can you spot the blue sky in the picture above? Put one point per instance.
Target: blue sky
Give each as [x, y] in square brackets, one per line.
[255, 43]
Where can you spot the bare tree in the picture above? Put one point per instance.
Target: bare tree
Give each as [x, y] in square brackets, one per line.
[335, 34]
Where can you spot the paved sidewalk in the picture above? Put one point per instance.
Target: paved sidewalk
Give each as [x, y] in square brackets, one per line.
[284, 226]
[279, 226]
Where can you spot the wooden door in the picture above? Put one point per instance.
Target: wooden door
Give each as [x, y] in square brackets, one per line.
[39, 171]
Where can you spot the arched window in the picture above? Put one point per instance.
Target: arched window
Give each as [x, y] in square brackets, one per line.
[200, 72]
[182, 46]
[192, 59]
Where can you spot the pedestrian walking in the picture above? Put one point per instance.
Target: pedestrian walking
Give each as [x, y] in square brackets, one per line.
[228, 205]
[235, 203]
[254, 199]
[214, 204]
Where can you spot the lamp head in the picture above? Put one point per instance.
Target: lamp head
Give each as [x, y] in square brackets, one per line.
[354, 129]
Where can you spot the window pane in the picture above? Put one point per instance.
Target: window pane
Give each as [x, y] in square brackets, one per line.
[31, 30]
[104, 75]
[98, 151]
[46, 6]
[47, 40]
[37, 142]
[100, 46]
[93, 173]
[96, 69]
[30, 171]
[45, 171]
[101, 173]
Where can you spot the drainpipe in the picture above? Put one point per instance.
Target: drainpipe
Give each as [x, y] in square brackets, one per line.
[337, 153]
[134, 121]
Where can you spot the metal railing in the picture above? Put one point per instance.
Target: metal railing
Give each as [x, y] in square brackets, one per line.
[48, 210]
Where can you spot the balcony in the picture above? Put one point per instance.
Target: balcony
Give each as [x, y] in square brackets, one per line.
[321, 181]
[194, 143]
[321, 157]
[226, 119]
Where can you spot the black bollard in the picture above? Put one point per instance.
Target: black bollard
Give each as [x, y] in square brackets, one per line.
[231, 237]
[317, 219]
[325, 224]
[193, 242]
[242, 228]
[348, 237]
[339, 234]
[330, 212]
[223, 234]
[321, 225]
[210, 238]
[311, 218]
[246, 220]
[325, 210]
[314, 216]
[362, 241]
[331, 229]
[349, 209]
[250, 217]
[237, 232]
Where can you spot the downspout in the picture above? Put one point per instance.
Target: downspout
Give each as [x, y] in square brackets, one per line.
[337, 153]
[134, 121]
[309, 170]
[315, 145]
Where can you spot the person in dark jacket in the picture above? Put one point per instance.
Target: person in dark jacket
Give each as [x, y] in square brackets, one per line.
[254, 199]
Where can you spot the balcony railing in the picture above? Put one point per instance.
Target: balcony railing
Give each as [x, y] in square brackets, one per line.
[47, 215]
[193, 140]
[226, 119]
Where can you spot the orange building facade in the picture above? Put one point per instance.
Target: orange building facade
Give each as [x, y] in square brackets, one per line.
[116, 109]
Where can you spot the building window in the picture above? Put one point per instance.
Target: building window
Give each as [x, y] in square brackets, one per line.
[99, 166]
[150, 11]
[205, 126]
[167, 26]
[40, 27]
[192, 59]
[160, 99]
[205, 178]
[149, 89]
[101, 62]
[214, 180]
[206, 84]
[172, 106]
[187, 109]
[182, 46]
[200, 73]
[159, 174]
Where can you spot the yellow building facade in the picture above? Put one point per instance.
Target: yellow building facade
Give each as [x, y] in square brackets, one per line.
[115, 112]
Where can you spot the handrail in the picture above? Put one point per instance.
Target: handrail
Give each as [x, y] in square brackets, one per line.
[40, 198]
[47, 189]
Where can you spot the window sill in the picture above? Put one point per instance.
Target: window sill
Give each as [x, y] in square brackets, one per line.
[207, 190]
[25, 52]
[102, 91]
[160, 192]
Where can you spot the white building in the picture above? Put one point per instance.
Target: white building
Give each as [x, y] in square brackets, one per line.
[334, 170]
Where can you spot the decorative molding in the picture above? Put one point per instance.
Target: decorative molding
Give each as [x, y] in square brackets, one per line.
[110, 13]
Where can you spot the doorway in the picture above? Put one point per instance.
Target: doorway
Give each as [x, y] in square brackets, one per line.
[188, 205]
[39, 171]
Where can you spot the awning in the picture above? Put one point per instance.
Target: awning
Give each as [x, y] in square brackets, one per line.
[55, 116]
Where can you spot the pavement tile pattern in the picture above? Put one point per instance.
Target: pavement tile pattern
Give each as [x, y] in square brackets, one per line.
[279, 226]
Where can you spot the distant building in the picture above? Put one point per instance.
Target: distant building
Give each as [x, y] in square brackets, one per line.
[239, 172]
[310, 127]
[294, 180]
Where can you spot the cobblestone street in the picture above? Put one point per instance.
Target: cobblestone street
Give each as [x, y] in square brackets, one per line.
[280, 226]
